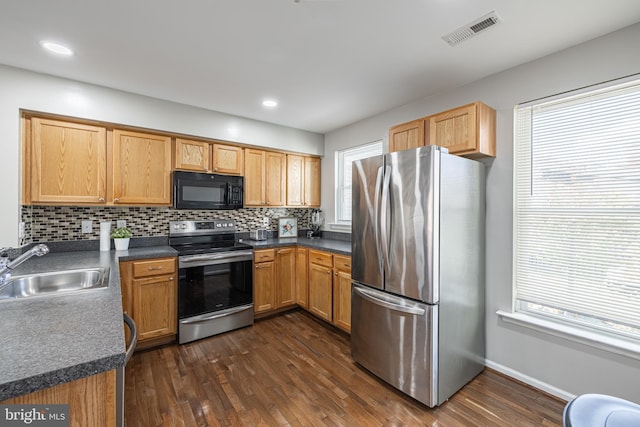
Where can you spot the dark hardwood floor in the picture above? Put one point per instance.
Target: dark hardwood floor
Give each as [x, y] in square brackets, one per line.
[292, 370]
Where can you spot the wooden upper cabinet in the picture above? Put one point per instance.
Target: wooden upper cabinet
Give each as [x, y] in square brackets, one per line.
[407, 135]
[192, 155]
[141, 168]
[295, 180]
[468, 131]
[264, 178]
[303, 181]
[227, 159]
[312, 181]
[275, 179]
[65, 163]
[254, 177]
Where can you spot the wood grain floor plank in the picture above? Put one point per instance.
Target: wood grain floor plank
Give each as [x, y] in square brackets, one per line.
[293, 370]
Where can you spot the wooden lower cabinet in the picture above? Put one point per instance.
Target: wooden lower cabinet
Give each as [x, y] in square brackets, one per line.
[342, 292]
[285, 277]
[150, 297]
[320, 285]
[317, 281]
[274, 279]
[264, 286]
[302, 277]
[91, 400]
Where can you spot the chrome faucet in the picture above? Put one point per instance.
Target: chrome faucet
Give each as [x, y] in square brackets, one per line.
[7, 266]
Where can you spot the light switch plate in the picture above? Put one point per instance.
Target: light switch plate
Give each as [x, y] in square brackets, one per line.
[121, 223]
[87, 226]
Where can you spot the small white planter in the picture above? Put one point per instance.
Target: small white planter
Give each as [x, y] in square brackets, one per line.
[121, 244]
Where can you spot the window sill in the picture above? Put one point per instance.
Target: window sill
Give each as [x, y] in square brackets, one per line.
[340, 227]
[594, 339]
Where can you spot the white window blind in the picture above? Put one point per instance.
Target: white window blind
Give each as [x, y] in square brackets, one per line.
[344, 160]
[577, 209]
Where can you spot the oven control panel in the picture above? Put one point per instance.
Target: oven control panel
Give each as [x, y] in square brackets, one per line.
[212, 226]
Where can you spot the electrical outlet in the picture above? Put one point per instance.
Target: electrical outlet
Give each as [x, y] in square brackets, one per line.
[265, 221]
[121, 223]
[21, 230]
[87, 226]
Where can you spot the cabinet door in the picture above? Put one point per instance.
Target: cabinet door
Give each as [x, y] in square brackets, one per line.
[312, 181]
[320, 291]
[91, 400]
[227, 159]
[454, 129]
[342, 299]
[68, 163]
[141, 168]
[302, 277]
[275, 179]
[155, 307]
[407, 135]
[254, 177]
[264, 278]
[192, 155]
[295, 180]
[285, 277]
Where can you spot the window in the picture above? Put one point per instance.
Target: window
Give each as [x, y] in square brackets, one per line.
[577, 209]
[344, 159]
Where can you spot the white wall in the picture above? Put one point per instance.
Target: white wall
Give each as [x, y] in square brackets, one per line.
[21, 89]
[554, 364]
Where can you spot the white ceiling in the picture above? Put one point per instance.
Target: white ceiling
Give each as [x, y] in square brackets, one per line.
[328, 62]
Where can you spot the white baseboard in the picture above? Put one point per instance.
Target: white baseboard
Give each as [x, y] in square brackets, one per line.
[533, 382]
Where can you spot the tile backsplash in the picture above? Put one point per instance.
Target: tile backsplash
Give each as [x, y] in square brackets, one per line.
[63, 223]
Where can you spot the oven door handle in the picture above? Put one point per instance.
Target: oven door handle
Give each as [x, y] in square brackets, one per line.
[211, 259]
[215, 316]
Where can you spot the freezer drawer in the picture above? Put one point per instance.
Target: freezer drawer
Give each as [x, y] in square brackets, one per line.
[395, 338]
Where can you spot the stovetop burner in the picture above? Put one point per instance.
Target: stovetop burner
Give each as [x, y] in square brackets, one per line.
[200, 237]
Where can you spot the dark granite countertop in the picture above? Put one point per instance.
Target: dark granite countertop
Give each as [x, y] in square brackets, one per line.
[331, 245]
[51, 340]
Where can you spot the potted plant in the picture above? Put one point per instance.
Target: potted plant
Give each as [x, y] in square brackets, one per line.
[121, 236]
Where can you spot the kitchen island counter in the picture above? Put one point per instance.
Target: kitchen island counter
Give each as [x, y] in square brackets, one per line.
[54, 339]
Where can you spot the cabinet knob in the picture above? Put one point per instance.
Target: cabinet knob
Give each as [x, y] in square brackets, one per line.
[328, 272]
[215, 169]
[101, 199]
[116, 200]
[170, 278]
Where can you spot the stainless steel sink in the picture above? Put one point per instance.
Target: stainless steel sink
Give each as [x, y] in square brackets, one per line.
[54, 283]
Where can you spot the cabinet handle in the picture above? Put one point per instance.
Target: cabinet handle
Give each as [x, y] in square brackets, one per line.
[170, 278]
[328, 272]
[155, 268]
[336, 274]
[101, 199]
[116, 200]
[215, 169]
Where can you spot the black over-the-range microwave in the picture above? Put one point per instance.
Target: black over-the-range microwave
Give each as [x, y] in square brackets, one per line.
[193, 190]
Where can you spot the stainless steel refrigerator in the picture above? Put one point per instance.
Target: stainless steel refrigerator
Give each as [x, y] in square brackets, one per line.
[417, 318]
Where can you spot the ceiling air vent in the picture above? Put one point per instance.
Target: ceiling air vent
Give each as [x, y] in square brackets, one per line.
[471, 29]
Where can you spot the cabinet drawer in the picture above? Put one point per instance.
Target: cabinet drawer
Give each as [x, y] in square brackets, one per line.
[154, 267]
[322, 258]
[342, 262]
[264, 255]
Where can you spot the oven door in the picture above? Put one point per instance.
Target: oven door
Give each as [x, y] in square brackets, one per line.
[213, 282]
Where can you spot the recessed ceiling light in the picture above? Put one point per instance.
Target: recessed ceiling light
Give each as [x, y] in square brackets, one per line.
[56, 48]
[270, 103]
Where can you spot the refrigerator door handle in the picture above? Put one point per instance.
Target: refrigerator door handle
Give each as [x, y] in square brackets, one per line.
[376, 213]
[384, 208]
[369, 295]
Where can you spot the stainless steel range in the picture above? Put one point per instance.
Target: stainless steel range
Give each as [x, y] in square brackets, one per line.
[215, 278]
